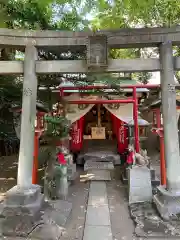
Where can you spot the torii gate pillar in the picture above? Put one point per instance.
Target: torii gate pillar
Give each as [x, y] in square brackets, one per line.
[168, 198]
[25, 197]
[25, 164]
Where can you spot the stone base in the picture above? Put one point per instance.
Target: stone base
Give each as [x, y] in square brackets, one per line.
[71, 172]
[21, 210]
[149, 225]
[152, 172]
[24, 213]
[99, 156]
[139, 181]
[154, 180]
[167, 203]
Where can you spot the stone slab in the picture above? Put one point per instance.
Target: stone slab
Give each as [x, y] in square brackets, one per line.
[18, 226]
[62, 206]
[139, 181]
[22, 195]
[97, 187]
[167, 203]
[98, 216]
[46, 231]
[154, 182]
[97, 232]
[58, 212]
[21, 210]
[98, 165]
[104, 156]
[152, 171]
[100, 175]
[18, 209]
[97, 194]
[148, 223]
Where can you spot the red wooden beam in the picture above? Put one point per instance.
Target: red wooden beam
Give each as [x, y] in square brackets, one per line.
[99, 101]
[109, 87]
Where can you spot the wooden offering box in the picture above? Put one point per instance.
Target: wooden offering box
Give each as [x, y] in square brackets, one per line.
[98, 133]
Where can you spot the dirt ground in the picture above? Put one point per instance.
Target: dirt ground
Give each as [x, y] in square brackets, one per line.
[8, 173]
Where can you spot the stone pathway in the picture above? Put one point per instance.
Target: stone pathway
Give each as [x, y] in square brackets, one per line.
[98, 225]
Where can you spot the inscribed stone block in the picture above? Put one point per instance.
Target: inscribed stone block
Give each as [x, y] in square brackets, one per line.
[139, 181]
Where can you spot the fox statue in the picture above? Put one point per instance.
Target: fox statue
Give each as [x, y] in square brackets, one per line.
[141, 158]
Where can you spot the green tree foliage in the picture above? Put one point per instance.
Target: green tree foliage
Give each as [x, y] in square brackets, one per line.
[135, 13]
[41, 15]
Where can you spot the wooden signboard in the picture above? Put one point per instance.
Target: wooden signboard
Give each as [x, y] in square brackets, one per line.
[98, 133]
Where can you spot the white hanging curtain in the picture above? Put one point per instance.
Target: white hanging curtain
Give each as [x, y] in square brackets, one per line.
[125, 113]
[73, 112]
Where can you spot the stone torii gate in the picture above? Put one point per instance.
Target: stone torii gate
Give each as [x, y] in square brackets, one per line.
[96, 44]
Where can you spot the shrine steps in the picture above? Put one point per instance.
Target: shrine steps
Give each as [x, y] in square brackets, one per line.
[98, 170]
[100, 150]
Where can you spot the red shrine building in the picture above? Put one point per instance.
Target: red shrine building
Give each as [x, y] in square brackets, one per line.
[101, 125]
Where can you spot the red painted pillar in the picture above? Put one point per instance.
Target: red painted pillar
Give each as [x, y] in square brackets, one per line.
[36, 148]
[135, 118]
[35, 162]
[162, 155]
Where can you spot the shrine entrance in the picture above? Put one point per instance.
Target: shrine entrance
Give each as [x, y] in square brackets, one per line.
[100, 117]
[98, 134]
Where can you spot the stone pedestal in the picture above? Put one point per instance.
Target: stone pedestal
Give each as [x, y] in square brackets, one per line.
[139, 181]
[20, 210]
[154, 180]
[24, 213]
[71, 172]
[167, 203]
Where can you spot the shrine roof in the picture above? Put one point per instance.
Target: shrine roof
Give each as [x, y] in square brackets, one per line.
[103, 82]
[39, 107]
[156, 104]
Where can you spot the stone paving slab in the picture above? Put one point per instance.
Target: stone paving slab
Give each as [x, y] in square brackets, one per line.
[98, 200]
[100, 175]
[98, 225]
[98, 165]
[98, 194]
[98, 216]
[97, 188]
[97, 232]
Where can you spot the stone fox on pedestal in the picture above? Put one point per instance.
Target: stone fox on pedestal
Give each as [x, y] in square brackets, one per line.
[56, 173]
